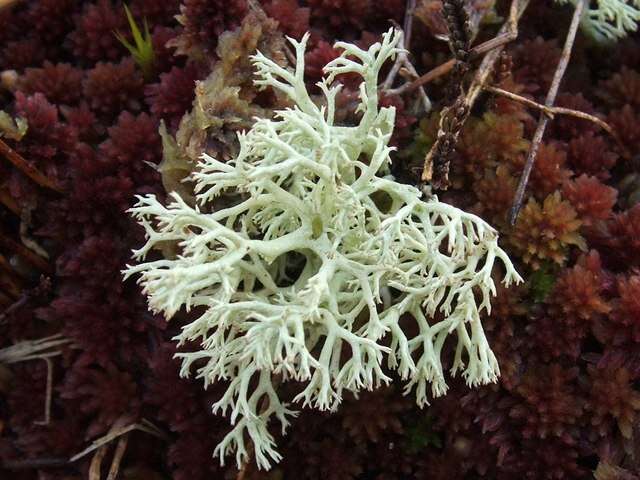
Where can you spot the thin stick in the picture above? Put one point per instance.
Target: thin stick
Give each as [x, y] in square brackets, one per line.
[144, 426]
[406, 33]
[121, 447]
[7, 200]
[7, 3]
[402, 64]
[551, 112]
[96, 464]
[34, 259]
[49, 393]
[544, 119]
[25, 167]
[34, 463]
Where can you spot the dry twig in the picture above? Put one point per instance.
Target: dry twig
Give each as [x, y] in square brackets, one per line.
[144, 426]
[551, 112]
[25, 167]
[37, 350]
[31, 257]
[34, 463]
[544, 119]
[403, 65]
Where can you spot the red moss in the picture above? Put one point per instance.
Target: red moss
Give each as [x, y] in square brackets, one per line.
[23, 53]
[612, 398]
[384, 410]
[622, 88]
[535, 62]
[189, 455]
[568, 126]
[104, 326]
[316, 58]
[490, 141]
[51, 19]
[48, 140]
[177, 399]
[112, 87]
[579, 291]
[84, 121]
[495, 192]
[132, 145]
[173, 95]
[550, 406]
[341, 12]
[62, 437]
[155, 12]
[356, 13]
[545, 232]
[591, 154]
[292, 18]
[164, 54]
[547, 459]
[592, 199]
[621, 235]
[504, 106]
[626, 123]
[205, 20]
[575, 303]
[60, 83]
[103, 395]
[626, 308]
[93, 38]
[549, 171]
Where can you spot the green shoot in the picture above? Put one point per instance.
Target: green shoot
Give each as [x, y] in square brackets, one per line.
[142, 50]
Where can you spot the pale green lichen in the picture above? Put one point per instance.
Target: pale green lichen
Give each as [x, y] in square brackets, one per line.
[609, 20]
[317, 260]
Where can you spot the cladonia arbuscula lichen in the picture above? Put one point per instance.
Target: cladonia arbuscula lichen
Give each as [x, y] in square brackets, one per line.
[318, 264]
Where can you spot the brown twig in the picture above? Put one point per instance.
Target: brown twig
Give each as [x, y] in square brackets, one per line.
[9, 281]
[95, 466]
[406, 37]
[25, 167]
[121, 447]
[403, 65]
[35, 463]
[144, 426]
[7, 200]
[48, 393]
[31, 257]
[7, 3]
[544, 119]
[551, 112]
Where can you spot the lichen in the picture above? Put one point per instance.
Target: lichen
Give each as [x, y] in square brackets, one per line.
[305, 268]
